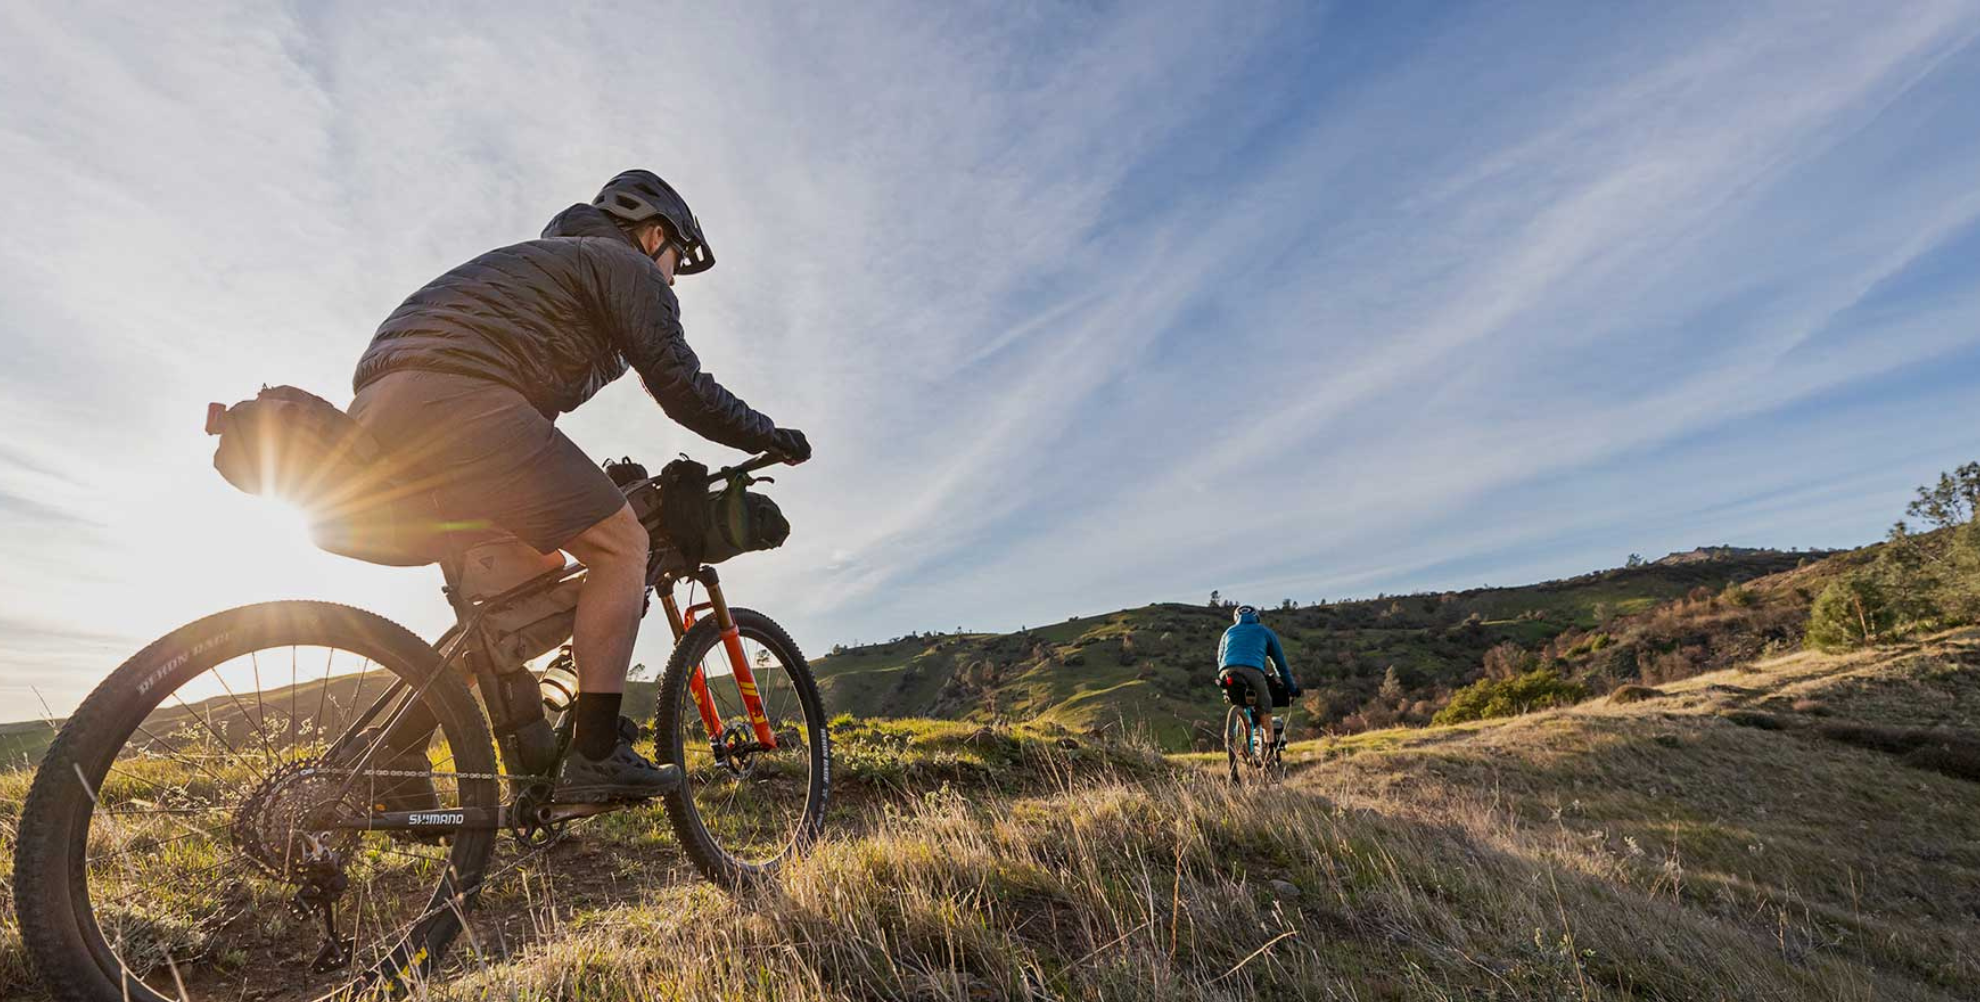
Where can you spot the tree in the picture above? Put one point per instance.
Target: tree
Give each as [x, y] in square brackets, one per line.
[1952, 501]
[1933, 578]
[1216, 599]
[1635, 560]
[1392, 687]
[1506, 660]
[1851, 612]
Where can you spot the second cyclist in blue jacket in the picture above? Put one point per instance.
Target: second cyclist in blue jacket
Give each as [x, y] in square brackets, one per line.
[1248, 646]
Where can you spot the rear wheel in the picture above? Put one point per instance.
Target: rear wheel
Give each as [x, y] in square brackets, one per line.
[742, 809]
[178, 839]
[1237, 742]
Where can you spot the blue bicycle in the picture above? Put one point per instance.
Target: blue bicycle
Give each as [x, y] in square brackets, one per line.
[1248, 750]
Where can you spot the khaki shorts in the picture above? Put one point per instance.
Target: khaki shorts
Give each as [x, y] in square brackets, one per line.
[490, 458]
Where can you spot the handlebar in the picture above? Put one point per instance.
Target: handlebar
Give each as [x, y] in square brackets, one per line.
[768, 459]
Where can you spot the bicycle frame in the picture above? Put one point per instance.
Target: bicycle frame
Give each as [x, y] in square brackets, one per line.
[469, 637]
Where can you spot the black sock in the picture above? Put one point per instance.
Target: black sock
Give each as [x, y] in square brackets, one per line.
[597, 724]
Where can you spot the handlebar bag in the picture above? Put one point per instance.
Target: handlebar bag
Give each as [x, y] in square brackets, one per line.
[1281, 696]
[708, 528]
[742, 521]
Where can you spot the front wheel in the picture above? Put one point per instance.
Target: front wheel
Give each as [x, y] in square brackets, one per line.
[743, 809]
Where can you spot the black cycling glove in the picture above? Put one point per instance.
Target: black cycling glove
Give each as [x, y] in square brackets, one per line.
[790, 444]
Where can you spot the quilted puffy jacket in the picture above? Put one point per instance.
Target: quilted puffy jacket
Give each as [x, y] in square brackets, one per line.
[1251, 643]
[558, 318]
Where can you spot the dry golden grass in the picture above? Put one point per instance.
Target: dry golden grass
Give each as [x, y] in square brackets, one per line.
[14, 974]
[1654, 850]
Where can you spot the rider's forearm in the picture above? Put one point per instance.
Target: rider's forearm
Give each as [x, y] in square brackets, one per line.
[702, 406]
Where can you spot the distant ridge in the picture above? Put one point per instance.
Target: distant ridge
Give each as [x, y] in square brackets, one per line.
[1365, 663]
[1705, 553]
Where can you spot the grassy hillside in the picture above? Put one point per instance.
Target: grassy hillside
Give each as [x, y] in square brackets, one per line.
[1718, 837]
[1149, 670]
[22, 743]
[1726, 836]
[1152, 668]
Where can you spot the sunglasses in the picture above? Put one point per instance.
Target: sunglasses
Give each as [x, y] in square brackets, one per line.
[680, 252]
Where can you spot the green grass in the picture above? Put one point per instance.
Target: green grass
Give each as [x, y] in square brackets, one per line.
[23, 743]
[1654, 850]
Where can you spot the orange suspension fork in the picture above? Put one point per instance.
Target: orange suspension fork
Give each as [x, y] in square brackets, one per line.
[711, 719]
[738, 665]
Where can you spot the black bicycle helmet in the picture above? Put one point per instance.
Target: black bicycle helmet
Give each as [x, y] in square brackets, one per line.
[639, 196]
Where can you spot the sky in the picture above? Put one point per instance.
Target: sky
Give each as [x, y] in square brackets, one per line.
[1083, 306]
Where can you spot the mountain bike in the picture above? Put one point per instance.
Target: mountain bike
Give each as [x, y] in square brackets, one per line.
[1248, 751]
[302, 799]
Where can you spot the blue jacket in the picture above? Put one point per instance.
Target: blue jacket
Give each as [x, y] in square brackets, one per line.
[1250, 643]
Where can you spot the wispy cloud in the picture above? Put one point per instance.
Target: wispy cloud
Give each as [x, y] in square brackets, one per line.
[1083, 307]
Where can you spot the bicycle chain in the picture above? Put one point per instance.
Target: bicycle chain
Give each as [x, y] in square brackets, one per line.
[409, 774]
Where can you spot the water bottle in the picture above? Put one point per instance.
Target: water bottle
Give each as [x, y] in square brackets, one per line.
[559, 683]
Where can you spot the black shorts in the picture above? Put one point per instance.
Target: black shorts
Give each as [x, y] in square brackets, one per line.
[492, 459]
[1244, 685]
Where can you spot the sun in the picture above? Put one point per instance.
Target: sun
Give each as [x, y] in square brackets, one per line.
[198, 546]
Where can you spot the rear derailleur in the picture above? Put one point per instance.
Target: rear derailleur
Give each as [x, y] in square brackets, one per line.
[323, 884]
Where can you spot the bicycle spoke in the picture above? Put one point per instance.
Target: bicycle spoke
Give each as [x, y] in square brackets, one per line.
[323, 691]
[268, 750]
[161, 810]
[203, 842]
[294, 745]
[230, 862]
[173, 752]
[155, 845]
[754, 807]
[357, 696]
[221, 737]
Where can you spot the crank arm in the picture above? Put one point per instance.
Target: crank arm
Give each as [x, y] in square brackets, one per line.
[550, 814]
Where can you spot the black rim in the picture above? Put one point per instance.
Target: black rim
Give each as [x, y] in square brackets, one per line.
[756, 807]
[204, 864]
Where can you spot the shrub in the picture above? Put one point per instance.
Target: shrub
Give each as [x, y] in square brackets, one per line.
[1851, 612]
[1509, 697]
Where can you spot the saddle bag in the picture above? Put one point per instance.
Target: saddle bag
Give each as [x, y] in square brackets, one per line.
[291, 444]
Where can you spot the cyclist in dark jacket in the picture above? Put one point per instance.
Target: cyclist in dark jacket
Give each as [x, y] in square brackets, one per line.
[1242, 655]
[555, 320]
[463, 383]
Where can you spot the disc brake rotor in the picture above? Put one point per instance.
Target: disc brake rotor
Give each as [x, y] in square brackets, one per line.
[739, 750]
